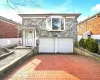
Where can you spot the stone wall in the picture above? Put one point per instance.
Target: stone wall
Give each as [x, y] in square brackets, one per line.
[81, 51]
[40, 24]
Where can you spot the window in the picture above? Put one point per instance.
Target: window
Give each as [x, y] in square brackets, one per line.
[55, 23]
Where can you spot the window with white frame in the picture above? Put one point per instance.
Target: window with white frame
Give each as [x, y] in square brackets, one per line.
[55, 23]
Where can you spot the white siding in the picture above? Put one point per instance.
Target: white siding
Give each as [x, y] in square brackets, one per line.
[92, 36]
[95, 36]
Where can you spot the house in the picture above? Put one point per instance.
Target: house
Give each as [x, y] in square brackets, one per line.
[8, 28]
[53, 33]
[90, 26]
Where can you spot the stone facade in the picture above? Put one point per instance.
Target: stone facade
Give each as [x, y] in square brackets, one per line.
[40, 24]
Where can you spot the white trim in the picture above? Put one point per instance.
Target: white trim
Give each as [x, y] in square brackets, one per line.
[70, 16]
[51, 17]
[33, 17]
[55, 30]
[56, 16]
[46, 23]
[51, 23]
[64, 22]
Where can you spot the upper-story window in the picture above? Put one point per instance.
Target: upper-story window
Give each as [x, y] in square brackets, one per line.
[55, 23]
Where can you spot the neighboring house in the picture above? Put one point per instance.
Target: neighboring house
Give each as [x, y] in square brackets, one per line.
[54, 33]
[90, 26]
[8, 28]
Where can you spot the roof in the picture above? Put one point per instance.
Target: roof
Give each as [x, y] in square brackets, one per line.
[89, 18]
[9, 20]
[49, 14]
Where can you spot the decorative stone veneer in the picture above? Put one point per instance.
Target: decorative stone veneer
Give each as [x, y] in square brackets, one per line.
[40, 24]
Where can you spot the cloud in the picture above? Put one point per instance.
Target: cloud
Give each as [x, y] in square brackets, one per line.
[96, 8]
[81, 18]
[9, 13]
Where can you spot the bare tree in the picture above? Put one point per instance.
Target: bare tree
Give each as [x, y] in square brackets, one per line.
[16, 4]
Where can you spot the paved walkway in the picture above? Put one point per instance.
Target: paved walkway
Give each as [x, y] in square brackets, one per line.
[18, 53]
[57, 67]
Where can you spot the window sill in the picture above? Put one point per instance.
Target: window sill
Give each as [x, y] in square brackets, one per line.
[56, 30]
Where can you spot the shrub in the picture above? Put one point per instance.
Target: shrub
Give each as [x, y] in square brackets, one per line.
[92, 45]
[87, 40]
[82, 43]
[76, 44]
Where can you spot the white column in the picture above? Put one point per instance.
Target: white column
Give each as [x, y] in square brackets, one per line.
[24, 38]
[46, 23]
[55, 44]
[64, 22]
[35, 37]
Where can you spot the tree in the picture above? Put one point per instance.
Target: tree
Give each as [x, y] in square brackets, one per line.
[16, 4]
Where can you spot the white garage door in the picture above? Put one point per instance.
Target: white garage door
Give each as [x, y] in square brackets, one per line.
[64, 45]
[56, 45]
[46, 45]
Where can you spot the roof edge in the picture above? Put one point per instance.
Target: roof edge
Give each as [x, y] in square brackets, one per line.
[46, 14]
[89, 18]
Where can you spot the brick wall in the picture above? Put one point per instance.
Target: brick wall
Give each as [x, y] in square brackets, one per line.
[92, 25]
[8, 30]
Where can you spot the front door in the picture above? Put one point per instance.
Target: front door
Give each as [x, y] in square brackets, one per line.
[30, 38]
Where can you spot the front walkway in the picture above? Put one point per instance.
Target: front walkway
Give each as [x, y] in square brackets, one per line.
[57, 67]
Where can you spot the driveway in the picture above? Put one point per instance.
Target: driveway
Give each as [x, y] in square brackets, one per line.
[57, 67]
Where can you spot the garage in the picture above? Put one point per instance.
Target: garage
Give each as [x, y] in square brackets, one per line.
[56, 45]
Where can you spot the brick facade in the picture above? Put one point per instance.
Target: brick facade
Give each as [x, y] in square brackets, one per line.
[8, 28]
[91, 24]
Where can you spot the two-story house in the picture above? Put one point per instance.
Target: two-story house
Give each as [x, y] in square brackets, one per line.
[53, 33]
[90, 26]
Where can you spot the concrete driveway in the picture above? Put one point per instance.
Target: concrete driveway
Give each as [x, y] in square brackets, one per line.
[57, 67]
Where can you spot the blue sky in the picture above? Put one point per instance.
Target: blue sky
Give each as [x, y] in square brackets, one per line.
[85, 7]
